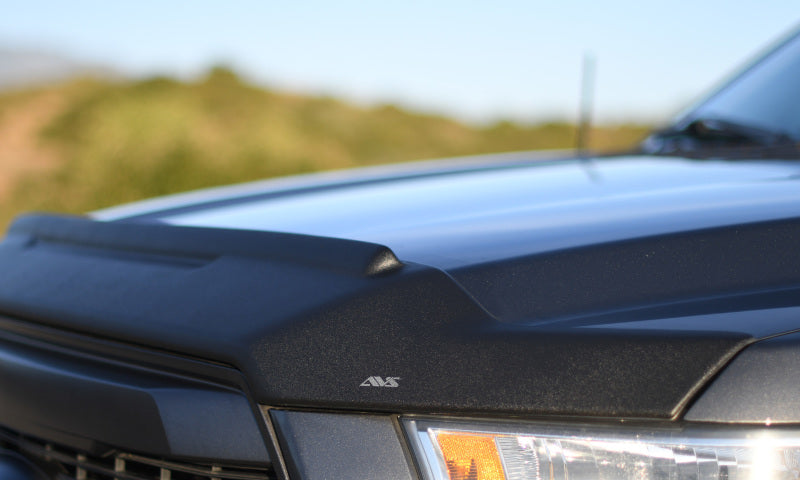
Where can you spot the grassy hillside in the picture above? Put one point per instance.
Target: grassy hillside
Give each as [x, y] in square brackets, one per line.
[90, 144]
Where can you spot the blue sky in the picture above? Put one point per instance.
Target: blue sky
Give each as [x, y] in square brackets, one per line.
[476, 60]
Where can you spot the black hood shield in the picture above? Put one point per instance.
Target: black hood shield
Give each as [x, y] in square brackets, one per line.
[322, 322]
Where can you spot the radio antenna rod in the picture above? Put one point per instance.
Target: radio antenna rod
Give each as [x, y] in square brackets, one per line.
[586, 103]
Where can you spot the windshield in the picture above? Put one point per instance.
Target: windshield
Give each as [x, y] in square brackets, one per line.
[765, 96]
[757, 114]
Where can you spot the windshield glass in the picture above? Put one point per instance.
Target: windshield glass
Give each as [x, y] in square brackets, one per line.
[765, 96]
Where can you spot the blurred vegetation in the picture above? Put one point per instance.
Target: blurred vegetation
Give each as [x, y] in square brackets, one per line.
[112, 142]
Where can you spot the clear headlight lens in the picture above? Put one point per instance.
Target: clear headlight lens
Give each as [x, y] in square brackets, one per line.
[462, 450]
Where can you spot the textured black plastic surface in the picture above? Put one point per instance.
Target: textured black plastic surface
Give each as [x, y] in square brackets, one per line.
[657, 270]
[761, 385]
[309, 322]
[195, 247]
[51, 393]
[319, 446]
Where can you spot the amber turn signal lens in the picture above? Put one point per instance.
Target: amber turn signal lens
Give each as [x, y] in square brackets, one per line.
[470, 457]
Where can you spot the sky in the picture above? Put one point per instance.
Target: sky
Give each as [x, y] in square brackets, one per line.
[478, 61]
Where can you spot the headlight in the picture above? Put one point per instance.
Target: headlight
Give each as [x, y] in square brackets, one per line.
[474, 450]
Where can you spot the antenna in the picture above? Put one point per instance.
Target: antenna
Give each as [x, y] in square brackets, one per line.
[586, 102]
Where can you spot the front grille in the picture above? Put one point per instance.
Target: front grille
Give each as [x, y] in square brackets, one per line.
[65, 463]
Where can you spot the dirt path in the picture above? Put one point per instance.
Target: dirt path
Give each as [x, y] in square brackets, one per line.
[21, 151]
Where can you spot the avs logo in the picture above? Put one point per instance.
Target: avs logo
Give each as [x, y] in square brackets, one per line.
[376, 381]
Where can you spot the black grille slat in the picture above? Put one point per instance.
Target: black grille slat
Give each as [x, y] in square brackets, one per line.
[123, 465]
[192, 469]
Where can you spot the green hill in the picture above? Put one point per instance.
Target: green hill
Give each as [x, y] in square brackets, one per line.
[90, 144]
